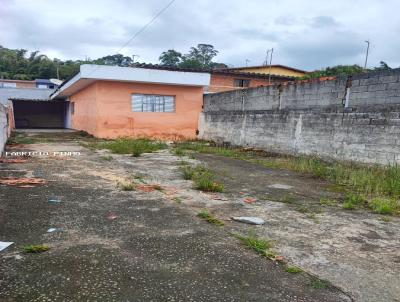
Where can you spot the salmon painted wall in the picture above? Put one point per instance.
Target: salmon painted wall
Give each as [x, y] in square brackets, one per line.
[220, 83]
[85, 110]
[113, 114]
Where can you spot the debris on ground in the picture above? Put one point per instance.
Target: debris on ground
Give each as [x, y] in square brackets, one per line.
[22, 182]
[54, 200]
[111, 216]
[218, 197]
[148, 188]
[249, 220]
[4, 245]
[12, 161]
[35, 248]
[51, 230]
[249, 200]
[280, 186]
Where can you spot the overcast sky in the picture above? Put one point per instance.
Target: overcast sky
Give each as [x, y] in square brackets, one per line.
[305, 34]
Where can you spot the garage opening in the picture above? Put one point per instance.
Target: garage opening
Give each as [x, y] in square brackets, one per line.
[40, 114]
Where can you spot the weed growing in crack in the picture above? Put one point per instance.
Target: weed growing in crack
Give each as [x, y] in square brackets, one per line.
[35, 248]
[318, 283]
[203, 178]
[135, 147]
[353, 201]
[179, 151]
[293, 269]
[328, 202]
[210, 218]
[126, 186]
[260, 246]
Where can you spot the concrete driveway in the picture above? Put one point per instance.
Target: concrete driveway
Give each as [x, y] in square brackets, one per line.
[113, 245]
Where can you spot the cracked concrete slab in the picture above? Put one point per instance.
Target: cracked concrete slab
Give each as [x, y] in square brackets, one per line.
[156, 249]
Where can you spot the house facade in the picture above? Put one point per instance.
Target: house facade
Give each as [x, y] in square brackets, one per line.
[279, 70]
[111, 101]
[227, 79]
[222, 80]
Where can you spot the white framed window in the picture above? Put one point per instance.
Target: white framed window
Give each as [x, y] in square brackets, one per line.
[42, 86]
[152, 103]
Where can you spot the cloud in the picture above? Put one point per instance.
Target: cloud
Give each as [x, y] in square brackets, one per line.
[306, 35]
[324, 21]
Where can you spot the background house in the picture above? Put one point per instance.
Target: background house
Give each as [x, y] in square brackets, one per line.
[39, 89]
[279, 70]
[227, 79]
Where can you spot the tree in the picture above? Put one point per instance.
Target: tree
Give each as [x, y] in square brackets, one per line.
[334, 71]
[118, 60]
[383, 66]
[203, 54]
[170, 57]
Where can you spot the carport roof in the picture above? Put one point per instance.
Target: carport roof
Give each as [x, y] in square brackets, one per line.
[90, 73]
[35, 100]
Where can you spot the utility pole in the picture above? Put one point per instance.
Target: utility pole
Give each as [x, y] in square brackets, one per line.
[366, 55]
[270, 64]
[58, 74]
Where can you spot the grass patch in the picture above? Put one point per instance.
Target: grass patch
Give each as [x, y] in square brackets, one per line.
[126, 186]
[327, 202]
[293, 269]
[177, 199]
[318, 284]
[205, 182]
[18, 138]
[353, 201]
[179, 152]
[187, 172]
[135, 147]
[210, 218]
[385, 206]
[386, 219]
[204, 179]
[260, 246]
[35, 248]
[287, 199]
[363, 179]
[106, 157]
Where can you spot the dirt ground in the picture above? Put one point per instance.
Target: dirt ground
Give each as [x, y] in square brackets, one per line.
[114, 245]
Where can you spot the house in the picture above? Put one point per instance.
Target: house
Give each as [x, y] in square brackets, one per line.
[279, 70]
[226, 79]
[111, 101]
[6, 83]
[37, 89]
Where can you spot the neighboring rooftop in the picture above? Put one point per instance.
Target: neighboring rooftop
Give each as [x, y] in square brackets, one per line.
[228, 71]
[277, 69]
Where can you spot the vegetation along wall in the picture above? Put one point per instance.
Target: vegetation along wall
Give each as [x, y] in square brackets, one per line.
[349, 118]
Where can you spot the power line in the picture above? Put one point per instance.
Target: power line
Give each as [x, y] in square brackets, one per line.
[147, 25]
[142, 29]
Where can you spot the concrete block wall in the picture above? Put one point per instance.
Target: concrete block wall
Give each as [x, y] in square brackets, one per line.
[309, 118]
[4, 127]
